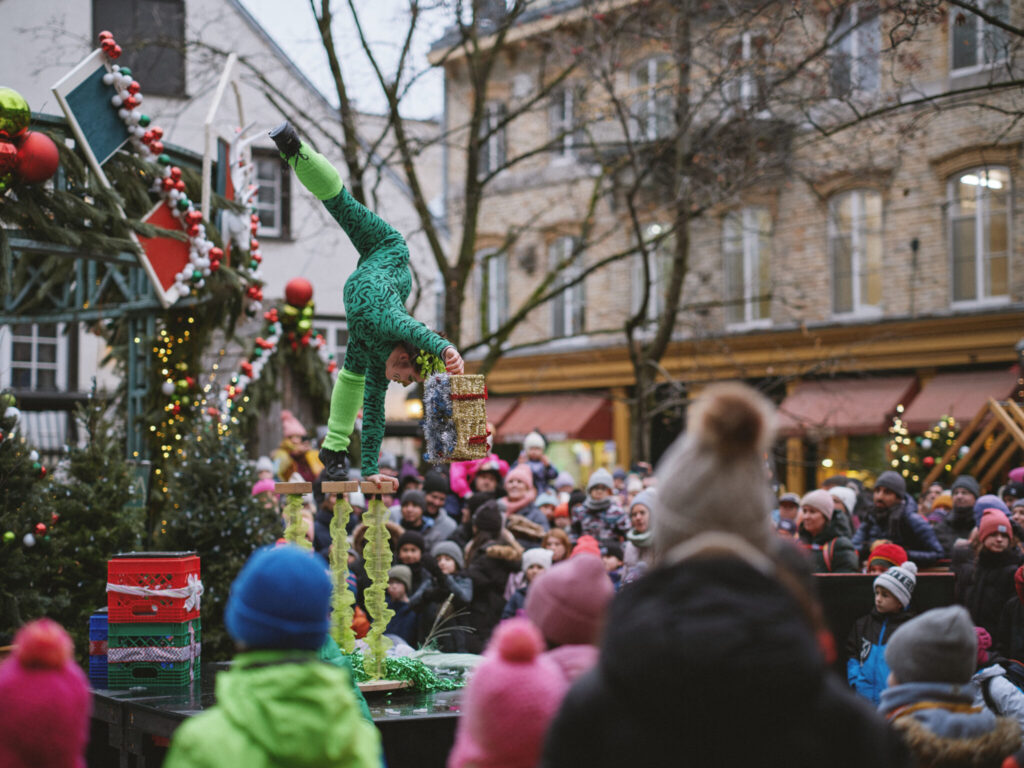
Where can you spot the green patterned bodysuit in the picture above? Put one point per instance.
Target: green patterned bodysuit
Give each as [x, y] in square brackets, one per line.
[375, 295]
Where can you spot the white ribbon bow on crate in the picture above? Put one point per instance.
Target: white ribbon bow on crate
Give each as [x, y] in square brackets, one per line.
[189, 653]
[191, 592]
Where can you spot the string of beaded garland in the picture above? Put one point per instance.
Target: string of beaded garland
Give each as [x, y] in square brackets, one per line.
[147, 141]
[377, 560]
[295, 532]
[342, 599]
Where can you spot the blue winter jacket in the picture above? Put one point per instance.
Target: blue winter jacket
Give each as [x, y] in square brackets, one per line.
[866, 670]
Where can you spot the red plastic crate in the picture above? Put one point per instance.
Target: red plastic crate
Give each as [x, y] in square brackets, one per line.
[155, 572]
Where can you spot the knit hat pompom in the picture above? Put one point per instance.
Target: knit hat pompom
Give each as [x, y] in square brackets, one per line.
[732, 418]
[713, 478]
[518, 641]
[43, 644]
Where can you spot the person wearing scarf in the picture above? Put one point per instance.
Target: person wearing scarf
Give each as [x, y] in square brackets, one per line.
[639, 551]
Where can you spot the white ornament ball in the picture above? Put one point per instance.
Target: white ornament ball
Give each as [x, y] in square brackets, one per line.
[964, 450]
[138, 98]
[33, 456]
[108, 78]
[115, 100]
[926, 443]
[167, 388]
[29, 540]
[12, 413]
[123, 113]
[184, 290]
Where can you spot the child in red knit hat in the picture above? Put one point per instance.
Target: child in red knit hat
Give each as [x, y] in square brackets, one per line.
[44, 701]
[509, 702]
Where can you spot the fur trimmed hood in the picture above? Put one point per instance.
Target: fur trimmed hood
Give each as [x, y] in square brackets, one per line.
[986, 749]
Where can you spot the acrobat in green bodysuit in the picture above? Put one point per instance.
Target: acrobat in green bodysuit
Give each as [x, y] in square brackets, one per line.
[380, 329]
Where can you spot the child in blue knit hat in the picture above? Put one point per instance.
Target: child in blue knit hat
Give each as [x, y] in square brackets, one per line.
[279, 704]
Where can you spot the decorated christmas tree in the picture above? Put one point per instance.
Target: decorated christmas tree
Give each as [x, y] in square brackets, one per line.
[206, 505]
[86, 514]
[915, 456]
[22, 562]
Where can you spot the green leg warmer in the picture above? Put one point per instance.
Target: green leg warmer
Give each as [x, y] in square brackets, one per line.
[316, 174]
[346, 400]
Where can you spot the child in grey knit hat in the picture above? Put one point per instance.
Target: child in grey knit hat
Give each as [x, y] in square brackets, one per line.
[929, 699]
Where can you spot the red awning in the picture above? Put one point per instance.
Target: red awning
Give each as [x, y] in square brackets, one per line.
[960, 395]
[560, 417]
[844, 406]
[499, 408]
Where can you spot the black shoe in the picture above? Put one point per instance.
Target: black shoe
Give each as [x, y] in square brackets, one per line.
[287, 139]
[335, 466]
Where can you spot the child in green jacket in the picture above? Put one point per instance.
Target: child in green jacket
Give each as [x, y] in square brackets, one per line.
[279, 705]
[384, 340]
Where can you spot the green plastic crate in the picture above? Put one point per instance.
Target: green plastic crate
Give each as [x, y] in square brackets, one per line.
[151, 673]
[161, 635]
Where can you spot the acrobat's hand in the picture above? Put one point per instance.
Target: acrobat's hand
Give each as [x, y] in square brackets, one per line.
[453, 362]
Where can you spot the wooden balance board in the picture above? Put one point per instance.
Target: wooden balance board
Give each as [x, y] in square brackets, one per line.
[346, 486]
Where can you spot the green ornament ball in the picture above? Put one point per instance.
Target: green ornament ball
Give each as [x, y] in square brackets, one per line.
[164, 159]
[254, 264]
[304, 325]
[35, 466]
[183, 203]
[145, 120]
[8, 537]
[7, 400]
[14, 114]
[257, 352]
[197, 275]
[182, 385]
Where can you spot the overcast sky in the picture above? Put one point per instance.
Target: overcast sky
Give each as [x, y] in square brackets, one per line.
[293, 27]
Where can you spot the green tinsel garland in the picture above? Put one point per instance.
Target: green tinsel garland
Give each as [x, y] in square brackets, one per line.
[415, 671]
[377, 559]
[342, 599]
[295, 533]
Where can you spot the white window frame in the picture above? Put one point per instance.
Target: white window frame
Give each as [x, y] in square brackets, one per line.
[659, 256]
[492, 284]
[746, 81]
[751, 256]
[858, 238]
[983, 28]
[851, 34]
[276, 205]
[330, 327]
[8, 365]
[564, 122]
[648, 105]
[981, 217]
[567, 308]
[492, 150]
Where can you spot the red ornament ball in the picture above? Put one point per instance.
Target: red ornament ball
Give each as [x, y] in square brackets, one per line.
[298, 292]
[40, 528]
[37, 158]
[928, 461]
[8, 157]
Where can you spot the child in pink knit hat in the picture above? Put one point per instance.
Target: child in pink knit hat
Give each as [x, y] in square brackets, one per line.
[44, 701]
[567, 603]
[509, 702]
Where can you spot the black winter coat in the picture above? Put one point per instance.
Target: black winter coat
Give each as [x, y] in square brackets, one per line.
[957, 525]
[489, 568]
[1009, 638]
[984, 585]
[710, 663]
[903, 526]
